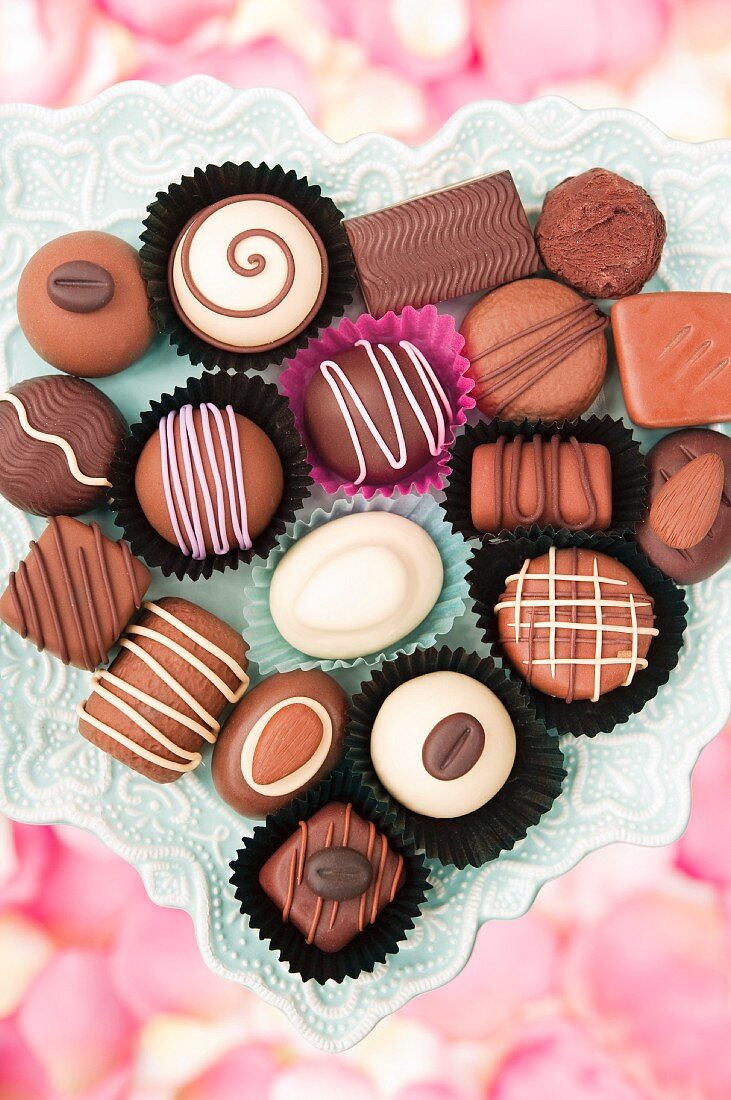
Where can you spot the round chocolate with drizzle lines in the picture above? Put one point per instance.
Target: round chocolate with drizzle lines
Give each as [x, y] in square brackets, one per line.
[58, 437]
[283, 737]
[536, 349]
[575, 623]
[377, 413]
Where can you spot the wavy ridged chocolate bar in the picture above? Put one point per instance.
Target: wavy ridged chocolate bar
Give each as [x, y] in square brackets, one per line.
[471, 236]
[74, 593]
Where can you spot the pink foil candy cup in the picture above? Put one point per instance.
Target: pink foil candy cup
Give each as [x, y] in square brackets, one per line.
[435, 335]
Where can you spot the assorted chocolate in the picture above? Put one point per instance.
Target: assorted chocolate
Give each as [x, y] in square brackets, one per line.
[377, 412]
[161, 698]
[601, 234]
[283, 737]
[74, 592]
[241, 266]
[687, 532]
[674, 357]
[462, 238]
[355, 585]
[575, 623]
[82, 304]
[333, 876]
[58, 437]
[536, 349]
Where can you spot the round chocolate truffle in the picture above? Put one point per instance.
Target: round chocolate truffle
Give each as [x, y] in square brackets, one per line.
[601, 233]
[377, 413]
[58, 437]
[575, 624]
[283, 737]
[443, 744]
[208, 480]
[247, 273]
[83, 306]
[687, 533]
[536, 349]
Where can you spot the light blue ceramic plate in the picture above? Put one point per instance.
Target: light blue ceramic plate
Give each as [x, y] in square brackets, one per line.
[97, 166]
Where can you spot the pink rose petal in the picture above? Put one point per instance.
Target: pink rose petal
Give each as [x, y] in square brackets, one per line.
[700, 852]
[21, 1077]
[74, 1023]
[166, 20]
[245, 1072]
[29, 851]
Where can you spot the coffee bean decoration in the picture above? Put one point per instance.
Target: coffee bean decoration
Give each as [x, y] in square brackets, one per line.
[453, 746]
[80, 286]
[338, 874]
[288, 740]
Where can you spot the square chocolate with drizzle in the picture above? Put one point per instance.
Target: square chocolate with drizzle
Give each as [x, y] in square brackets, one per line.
[333, 876]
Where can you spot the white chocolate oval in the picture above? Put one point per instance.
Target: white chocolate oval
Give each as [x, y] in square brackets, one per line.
[355, 585]
[299, 778]
[403, 724]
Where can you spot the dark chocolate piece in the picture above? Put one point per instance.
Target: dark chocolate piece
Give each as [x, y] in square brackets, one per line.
[575, 623]
[453, 746]
[674, 357]
[160, 700]
[692, 500]
[58, 437]
[377, 413]
[601, 233]
[80, 286]
[284, 736]
[338, 874]
[326, 921]
[470, 236]
[74, 592]
[563, 483]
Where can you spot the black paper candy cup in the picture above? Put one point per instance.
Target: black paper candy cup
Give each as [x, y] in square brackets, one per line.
[629, 474]
[262, 403]
[531, 788]
[378, 940]
[493, 562]
[172, 209]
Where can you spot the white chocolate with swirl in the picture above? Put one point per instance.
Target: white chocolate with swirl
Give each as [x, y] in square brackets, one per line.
[248, 273]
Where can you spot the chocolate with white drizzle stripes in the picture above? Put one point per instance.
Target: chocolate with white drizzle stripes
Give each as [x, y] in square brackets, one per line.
[575, 623]
[332, 918]
[377, 412]
[74, 592]
[162, 697]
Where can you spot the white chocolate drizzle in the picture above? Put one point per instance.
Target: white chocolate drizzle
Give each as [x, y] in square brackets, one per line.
[303, 774]
[208, 728]
[56, 440]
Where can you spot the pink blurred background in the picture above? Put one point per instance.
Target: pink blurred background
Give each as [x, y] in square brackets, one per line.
[617, 984]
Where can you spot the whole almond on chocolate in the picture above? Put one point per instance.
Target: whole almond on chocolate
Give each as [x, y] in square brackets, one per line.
[686, 507]
[284, 736]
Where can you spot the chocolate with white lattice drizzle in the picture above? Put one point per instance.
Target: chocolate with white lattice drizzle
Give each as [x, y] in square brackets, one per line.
[333, 917]
[575, 623]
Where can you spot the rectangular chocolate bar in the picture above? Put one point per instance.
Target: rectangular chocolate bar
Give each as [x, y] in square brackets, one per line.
[470, 236]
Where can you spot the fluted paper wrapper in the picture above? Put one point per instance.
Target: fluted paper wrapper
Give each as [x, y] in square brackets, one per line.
[262, 403]
[376, 942]
[492, 563]
[168, 215]
[273, 653]
[530, 791]
[435, 335]
[629, 473]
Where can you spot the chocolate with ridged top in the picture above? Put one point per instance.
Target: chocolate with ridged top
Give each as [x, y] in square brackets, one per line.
[335, 915]
[468, 236]
[666, 462]
[74, 592]
[58, 437]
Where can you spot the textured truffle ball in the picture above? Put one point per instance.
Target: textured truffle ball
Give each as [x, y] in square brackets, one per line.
[601, 233]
